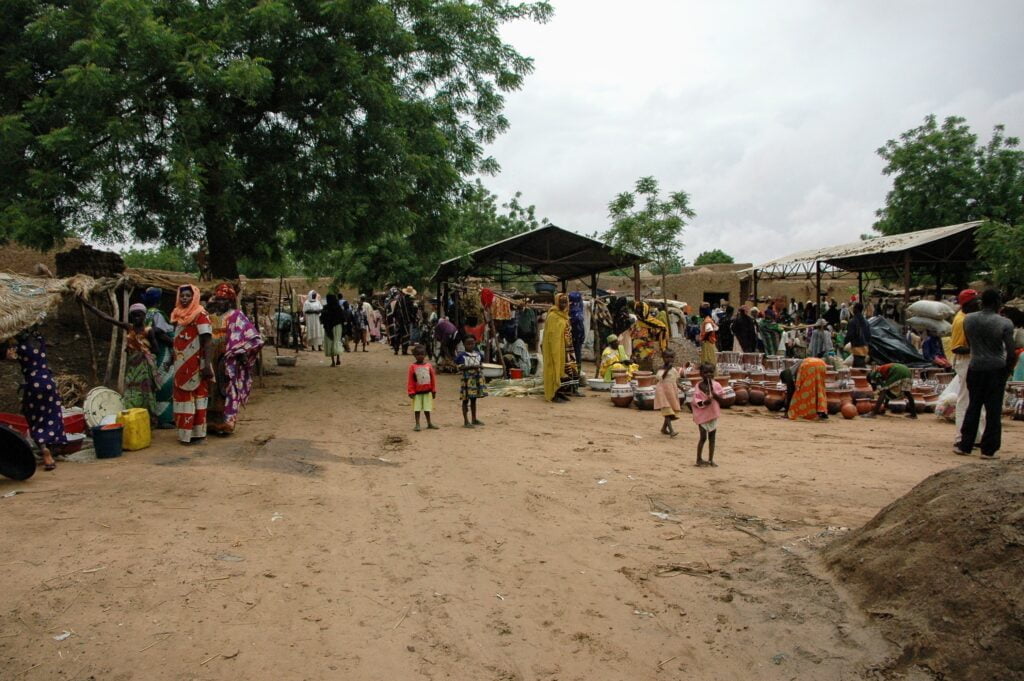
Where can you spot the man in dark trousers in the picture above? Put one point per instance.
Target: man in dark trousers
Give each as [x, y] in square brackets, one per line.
[990, 337]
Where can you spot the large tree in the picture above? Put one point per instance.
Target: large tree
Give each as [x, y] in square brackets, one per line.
[474, 219]
[942, 177]
[646, 224]
[715, 256]
[257, 126]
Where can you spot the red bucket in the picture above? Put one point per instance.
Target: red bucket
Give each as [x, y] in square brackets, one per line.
[515, 373]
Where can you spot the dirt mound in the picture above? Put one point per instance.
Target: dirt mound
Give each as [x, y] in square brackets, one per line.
[943, 568]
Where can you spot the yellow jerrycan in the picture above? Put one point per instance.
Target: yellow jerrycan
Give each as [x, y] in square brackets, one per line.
[137, 434]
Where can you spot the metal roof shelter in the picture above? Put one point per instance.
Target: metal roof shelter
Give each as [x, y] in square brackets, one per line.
[939, 248]
[548, 251]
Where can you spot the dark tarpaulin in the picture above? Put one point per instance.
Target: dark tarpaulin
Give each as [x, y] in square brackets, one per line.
[889, 345]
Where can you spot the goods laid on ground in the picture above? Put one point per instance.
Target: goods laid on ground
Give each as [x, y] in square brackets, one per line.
[931, 309]
[942, 569]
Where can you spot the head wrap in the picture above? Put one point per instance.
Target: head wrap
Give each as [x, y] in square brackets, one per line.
[611, 338]
[225, 291]
[152, 296]
[187, 315]
[311, 295]
[966, 296]
[559, 297]
[137, 307]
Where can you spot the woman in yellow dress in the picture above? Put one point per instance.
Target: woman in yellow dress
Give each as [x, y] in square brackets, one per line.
[561, 373]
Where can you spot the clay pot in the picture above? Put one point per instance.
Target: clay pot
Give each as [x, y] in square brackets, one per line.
[845, 396]
[644, 398]
[864, 405]
[722, 381]
[737, 374]
[863, 394]
[897, 406]
[757, 395]
[644, 379]
[848, 410]
[860, 382]
[775, 398]
[694, 380]
[621, 376]
[728, 397]
[833, 401]
[622, 394]
[742, 396]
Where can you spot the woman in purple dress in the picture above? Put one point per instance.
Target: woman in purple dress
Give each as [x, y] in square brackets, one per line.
[40, 403]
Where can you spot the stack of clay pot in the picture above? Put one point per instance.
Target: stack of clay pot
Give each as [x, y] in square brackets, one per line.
[643, 395]
[742, 390]
[622, 389]
[775, 397]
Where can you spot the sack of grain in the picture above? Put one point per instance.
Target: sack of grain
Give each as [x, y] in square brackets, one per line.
[936, 327]
[932, 309]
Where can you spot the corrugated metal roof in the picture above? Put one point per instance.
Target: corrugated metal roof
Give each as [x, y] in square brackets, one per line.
[549, 250]
[897, 243]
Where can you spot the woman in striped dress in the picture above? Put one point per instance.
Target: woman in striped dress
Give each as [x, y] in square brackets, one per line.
[192, 365]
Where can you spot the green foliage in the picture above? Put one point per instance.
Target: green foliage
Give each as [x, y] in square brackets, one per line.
[645, 224]
[282, 125]
[1002, 247]
[474, 220]
[713, 257]
[673, 266]
[941, 177]
[170, 258]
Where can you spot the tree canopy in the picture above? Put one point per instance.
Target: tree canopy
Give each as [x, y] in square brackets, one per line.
[713, 257]
[942, 177]
[646, 224]
[257, 127]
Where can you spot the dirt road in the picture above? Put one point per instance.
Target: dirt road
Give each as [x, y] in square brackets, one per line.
[326, 540]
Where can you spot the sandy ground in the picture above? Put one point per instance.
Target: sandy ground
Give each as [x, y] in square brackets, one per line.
[326, 540]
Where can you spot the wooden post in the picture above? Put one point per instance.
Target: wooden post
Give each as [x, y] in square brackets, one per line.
[565, 285]
[92, 346]
[906, 278]
[938, 282]
[743, 302]
[124, 339]
[817, 288]
[636, 283]
[593, 325]
[860, 287]
[112, 353]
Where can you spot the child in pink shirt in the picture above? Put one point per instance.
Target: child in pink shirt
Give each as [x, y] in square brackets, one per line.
[707, 399]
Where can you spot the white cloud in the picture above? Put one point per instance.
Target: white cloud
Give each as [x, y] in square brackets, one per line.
[768, 114]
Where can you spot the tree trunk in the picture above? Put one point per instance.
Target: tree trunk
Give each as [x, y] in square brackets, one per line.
[220, 234]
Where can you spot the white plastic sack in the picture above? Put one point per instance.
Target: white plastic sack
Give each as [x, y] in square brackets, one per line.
[936, 327]
[932, 309]
[945, 407]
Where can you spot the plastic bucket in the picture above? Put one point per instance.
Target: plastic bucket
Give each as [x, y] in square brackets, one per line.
[107, 440]
[515, 373]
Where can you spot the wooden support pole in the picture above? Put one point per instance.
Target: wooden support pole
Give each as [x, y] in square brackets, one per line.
[92, 346]
[755, 290]
[860, 288]
[906, 278]
[817, 289]
[593, 325]
[636, 283]
[112, 353]
[565, 285]
[123, 315]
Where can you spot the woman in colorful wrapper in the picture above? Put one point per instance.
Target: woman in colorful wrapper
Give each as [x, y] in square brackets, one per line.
[649, 336]
[163, 333]
[40, 403]
[614, 357]
[193, 368]
[140, 373]
[234, 348]
[561, 373]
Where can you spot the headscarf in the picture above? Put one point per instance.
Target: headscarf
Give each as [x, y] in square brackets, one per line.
[312, 303]
[225, 290]
[332, 314]
[137, 307]
[612, 338]
[152, 296]
[187, 315]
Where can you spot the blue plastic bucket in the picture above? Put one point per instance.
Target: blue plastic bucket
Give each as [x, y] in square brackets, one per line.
[107, 441]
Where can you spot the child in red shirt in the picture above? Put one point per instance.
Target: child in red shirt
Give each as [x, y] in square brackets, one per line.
[421, 385]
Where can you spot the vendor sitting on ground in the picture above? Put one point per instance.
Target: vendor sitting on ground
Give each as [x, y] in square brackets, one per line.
[613, 358]
[891, 381]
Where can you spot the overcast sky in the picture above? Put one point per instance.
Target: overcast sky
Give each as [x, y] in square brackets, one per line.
[767, 113]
